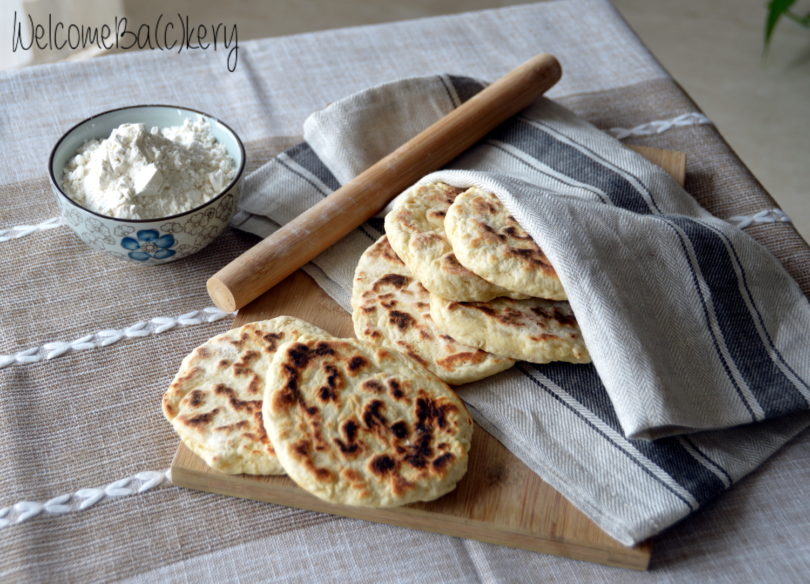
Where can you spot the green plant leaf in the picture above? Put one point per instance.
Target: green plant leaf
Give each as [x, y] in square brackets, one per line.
[776, 9]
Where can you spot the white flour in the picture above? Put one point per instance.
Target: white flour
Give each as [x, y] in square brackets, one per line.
[138, 173]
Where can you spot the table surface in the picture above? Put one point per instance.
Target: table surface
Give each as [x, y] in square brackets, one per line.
[94, 341]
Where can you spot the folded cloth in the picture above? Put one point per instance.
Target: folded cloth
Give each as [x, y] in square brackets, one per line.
[691, 324]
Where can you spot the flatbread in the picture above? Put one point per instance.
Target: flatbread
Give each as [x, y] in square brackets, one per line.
[214, 402]
[390, 305]
[488, 241]
[359, 424]
[533, 330]
[415, 229]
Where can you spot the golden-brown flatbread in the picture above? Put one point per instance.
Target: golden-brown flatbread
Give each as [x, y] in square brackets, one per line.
[533, 330]
[488, 241]
[214, 402]
[390, 305]
[358, 424]
[415, 230]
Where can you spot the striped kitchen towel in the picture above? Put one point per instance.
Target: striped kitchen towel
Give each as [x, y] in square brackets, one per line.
[696, 331]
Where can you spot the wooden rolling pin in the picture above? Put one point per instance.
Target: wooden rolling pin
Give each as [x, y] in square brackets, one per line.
[280, 254]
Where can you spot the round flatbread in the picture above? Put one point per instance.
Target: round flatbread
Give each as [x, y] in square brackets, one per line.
[214, 402]
[533, 330]
[389, 304]
[488, 241]
[415, 229]
[358, 424]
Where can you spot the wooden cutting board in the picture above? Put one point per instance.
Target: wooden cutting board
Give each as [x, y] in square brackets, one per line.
[500, 500]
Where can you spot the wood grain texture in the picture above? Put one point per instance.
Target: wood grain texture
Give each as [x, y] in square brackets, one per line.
[500, 500]
[320, 226]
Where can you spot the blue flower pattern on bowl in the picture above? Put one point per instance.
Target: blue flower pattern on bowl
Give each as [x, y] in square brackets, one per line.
[150, 244]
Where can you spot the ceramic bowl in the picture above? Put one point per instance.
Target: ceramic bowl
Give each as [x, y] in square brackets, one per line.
[147, 241]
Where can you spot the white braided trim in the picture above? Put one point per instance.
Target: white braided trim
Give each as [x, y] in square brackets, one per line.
[659, 126]
[84, 498]
[765, 216]
[143, 328]
[23, 230]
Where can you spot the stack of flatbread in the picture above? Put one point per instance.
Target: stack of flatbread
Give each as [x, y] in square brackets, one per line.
[349, 421]
[461, 288]
[456, 291]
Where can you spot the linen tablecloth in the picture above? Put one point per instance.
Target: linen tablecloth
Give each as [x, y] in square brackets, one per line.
[88, 343]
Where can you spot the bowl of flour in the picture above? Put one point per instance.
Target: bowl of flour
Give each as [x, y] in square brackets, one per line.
[150, 183]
